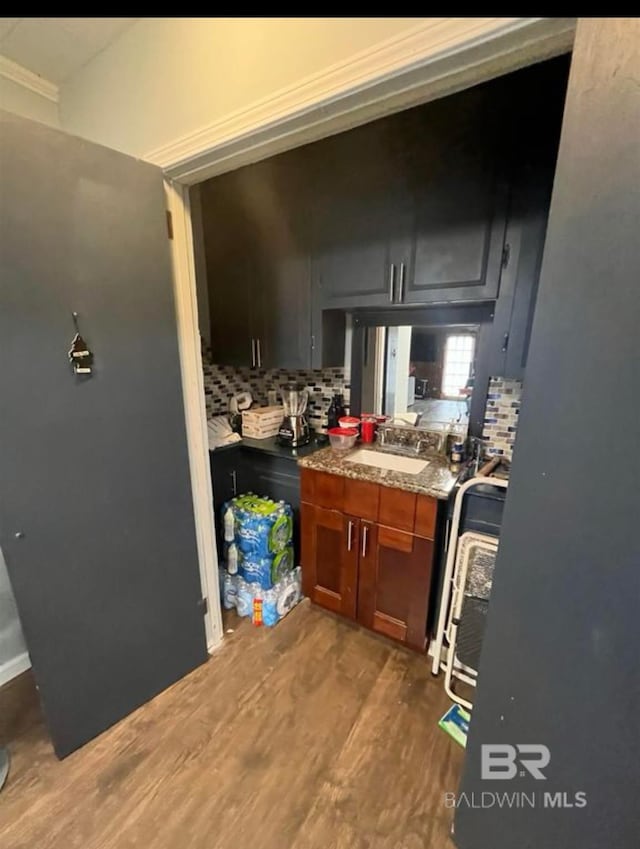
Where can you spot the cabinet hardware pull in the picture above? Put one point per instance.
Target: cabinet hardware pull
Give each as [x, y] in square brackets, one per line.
[253, 353]
[365, 533]
[234, 482]
[259, 354]
[401, 284]
[392, 275]
[349, 535]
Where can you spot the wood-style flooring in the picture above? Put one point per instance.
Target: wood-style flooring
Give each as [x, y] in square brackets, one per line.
[312, 735]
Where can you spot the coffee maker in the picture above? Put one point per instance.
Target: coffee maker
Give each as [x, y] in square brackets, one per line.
[294, 430]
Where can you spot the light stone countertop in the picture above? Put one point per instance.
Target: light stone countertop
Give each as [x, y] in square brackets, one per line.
[436, 480]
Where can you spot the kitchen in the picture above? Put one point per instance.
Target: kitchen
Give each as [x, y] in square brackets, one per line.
[386, 244]
[433, 293]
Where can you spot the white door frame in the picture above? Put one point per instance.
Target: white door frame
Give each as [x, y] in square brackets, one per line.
[435, 58]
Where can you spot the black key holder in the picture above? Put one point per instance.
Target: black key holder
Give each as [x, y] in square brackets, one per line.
[80, 356]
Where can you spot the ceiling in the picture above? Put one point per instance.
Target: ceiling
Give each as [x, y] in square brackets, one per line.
[55, 48]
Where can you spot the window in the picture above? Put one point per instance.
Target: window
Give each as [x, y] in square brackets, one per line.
[459, 351]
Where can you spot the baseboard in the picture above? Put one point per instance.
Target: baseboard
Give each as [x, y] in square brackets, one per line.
[14, 667]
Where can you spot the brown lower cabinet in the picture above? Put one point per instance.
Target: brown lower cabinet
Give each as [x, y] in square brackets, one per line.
[356, 565]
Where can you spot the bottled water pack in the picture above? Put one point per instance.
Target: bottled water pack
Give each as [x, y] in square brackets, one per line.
[258, 539]
[277, 600]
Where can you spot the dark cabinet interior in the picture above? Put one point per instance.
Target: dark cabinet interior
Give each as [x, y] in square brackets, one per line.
[239, 469]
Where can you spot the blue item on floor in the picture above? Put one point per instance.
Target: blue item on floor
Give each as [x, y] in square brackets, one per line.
[456, 723]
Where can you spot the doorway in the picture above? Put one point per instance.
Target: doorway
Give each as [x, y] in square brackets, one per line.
[216, 151]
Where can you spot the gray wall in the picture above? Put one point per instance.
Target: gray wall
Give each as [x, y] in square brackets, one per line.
[12, 644]
[561, 661]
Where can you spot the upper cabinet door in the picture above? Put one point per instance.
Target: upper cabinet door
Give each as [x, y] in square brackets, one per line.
[256, 228]
[276, 197]
[229, 271]
[361, 212]
[459, 196]
[96, 512]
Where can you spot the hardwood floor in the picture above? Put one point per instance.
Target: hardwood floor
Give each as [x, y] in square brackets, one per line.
[313, 735]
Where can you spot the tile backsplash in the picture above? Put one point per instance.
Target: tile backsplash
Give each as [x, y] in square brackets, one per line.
[221, 382]
[501, 416]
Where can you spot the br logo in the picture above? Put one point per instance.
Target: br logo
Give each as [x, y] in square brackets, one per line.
[504, 761]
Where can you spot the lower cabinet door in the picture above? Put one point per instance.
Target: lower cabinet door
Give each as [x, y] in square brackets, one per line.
[394, 583]
[330, 558]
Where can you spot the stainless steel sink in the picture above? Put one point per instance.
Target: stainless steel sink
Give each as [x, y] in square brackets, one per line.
[390, 462]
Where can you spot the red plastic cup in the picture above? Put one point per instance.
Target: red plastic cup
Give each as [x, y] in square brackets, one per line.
[367, 430]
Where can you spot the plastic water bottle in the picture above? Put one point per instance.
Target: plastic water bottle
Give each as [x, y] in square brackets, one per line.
[269, 608]
[230, 591]
[246, 593]
[229, 525]
[232, 559]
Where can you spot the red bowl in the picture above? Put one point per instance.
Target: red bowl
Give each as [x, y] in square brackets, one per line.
[348, 422]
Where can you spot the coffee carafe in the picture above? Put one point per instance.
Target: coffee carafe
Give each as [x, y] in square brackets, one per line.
[294, 429]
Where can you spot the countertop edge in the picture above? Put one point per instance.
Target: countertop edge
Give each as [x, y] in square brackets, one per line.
[364, 473]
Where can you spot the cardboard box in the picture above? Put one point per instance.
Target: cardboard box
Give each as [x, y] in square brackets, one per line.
[262, 422]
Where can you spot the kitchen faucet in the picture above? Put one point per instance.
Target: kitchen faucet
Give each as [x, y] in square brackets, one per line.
[476, 446]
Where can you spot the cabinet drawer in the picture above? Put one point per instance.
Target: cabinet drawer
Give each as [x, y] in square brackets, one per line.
[322, 489]
[361, 499]
[397, 509]
[426, 517]
[406, 511]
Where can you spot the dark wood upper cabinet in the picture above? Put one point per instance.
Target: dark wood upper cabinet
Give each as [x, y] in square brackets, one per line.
[361, 218]
[446, 202]
[257, 229]
[531, 138]
[411, 209]
[276, 197]
[229, 271]
[460, 197]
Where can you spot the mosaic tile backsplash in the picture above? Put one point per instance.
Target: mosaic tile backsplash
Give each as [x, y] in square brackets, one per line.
[501, 416]
[221, 382]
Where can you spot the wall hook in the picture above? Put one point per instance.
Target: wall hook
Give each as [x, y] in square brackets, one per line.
[79, 355]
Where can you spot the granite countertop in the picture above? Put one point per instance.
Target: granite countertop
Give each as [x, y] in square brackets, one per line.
[437, 480]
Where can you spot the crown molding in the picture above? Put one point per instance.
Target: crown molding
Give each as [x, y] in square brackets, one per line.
[11, 70]
[388, 65]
